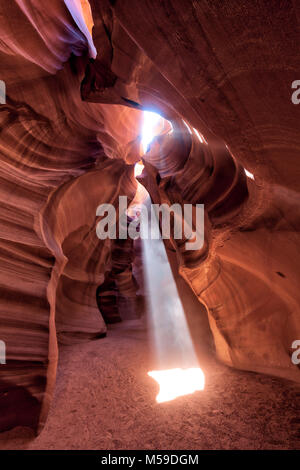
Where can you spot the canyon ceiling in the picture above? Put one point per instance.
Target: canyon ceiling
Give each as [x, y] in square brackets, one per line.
[70, 135]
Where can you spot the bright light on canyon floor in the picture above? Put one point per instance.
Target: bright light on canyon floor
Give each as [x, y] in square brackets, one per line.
[178, 372]
[175, 383]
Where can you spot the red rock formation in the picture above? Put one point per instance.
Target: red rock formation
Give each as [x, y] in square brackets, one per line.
[54, 174]
[69, 137]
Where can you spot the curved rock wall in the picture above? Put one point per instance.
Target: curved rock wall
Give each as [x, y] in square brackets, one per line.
[228, 72]
[69, 137]
[241, 273]
[54, 174]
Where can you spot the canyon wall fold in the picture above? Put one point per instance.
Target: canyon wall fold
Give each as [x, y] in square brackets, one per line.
[69, 138]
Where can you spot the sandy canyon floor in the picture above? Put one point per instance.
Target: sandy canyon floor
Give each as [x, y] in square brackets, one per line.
[105, 400]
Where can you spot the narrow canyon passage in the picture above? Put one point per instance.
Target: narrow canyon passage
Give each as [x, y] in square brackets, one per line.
[105, 400]
[187, 108]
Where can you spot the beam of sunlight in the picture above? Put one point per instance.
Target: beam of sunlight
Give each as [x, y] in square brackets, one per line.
[178, 370]
[150, 121]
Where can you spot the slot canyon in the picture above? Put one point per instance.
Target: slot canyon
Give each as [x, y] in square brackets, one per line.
[184, 103]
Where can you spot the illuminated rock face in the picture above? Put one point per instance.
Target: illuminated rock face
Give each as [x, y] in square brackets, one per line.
[62, 156]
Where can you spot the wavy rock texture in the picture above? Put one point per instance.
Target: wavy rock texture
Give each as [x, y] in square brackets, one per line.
[240, 273]
[216, 73]
[69, 138]
[54, 174]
